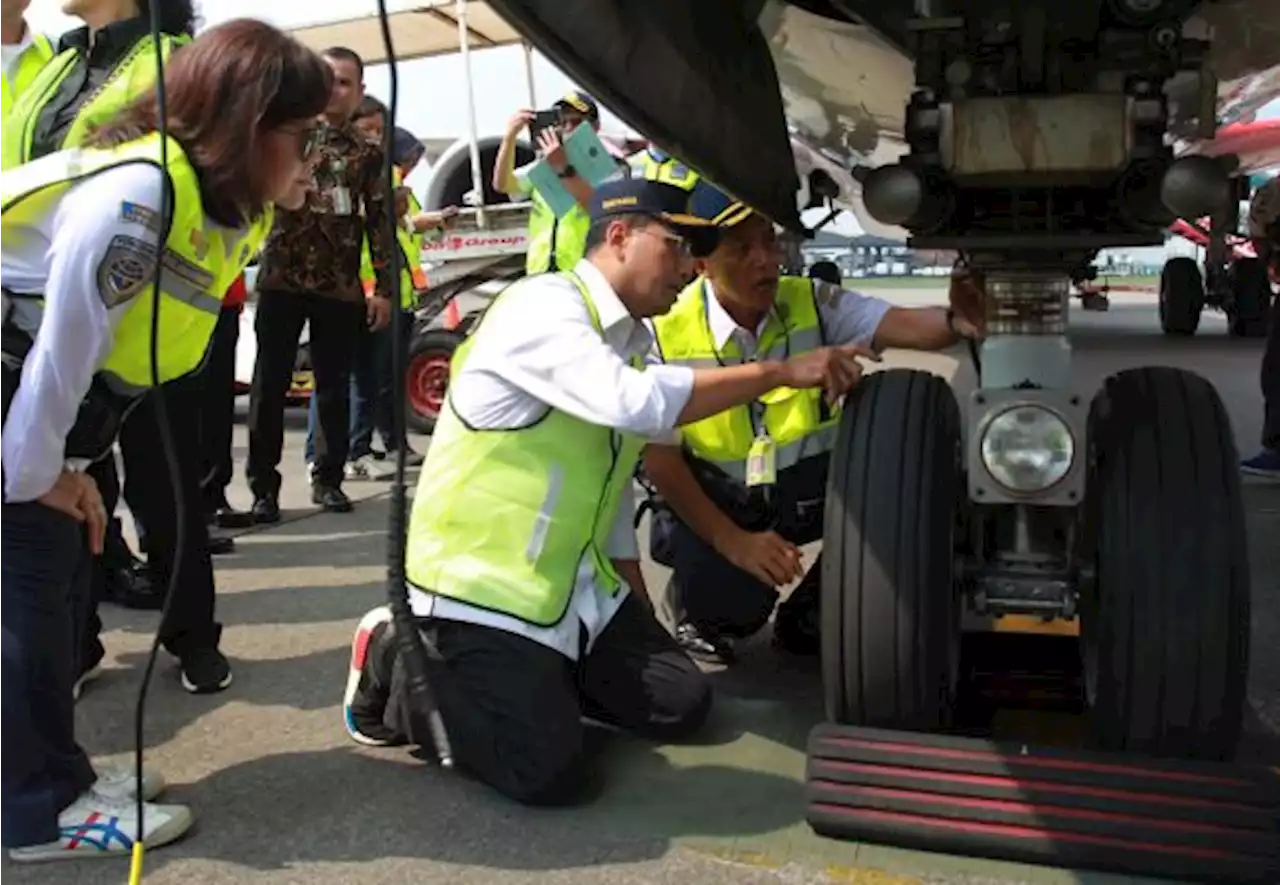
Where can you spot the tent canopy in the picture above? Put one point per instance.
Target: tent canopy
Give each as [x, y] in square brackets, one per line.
[429, 27]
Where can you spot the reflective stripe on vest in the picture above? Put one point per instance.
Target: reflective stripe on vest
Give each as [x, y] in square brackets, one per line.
[30, 64]
[669, 172]
[566, 236]
[503, 519]
[799, 421]
[130, 78]
[201, 260]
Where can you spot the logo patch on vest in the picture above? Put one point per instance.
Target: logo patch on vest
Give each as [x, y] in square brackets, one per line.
[199, 245]
[135, 214]
[125, 270]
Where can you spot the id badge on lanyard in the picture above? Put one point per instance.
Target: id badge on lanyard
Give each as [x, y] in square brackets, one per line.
[762, 462]
[762, 457]
[339, 193]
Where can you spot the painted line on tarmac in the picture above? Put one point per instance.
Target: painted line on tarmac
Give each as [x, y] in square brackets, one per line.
[837, 873]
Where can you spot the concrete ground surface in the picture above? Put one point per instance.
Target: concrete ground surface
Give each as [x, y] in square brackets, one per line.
[282, 796]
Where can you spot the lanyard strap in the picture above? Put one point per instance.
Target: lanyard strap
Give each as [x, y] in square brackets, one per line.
[755, 408]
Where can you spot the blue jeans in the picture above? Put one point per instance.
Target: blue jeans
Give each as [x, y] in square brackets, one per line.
[45, 570]
[371, 390]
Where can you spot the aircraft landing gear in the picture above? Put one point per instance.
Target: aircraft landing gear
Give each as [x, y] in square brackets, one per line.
[1119, 511]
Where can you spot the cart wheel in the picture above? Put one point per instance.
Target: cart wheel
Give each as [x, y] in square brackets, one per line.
[891, 615]
[1181, 296]
[427, 377]
[1165, 623]
[1251, 291]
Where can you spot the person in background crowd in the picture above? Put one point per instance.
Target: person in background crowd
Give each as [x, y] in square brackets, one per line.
[827, 272]
[371, 382]
[310, 273]
[217, 417]
[81, 233]
[25, 53]
[370, 118]
[1264, 229]
[554, 243]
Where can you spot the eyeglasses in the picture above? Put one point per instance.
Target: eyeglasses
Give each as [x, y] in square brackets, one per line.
[309, 141]
[679, 243]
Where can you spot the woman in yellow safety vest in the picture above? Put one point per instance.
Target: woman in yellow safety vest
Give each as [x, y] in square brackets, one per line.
[99, 69]
[79, 250]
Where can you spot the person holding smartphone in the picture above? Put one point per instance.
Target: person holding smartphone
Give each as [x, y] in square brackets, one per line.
[555, 243]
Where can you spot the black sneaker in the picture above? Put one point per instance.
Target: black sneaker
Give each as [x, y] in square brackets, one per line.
[205, 671]
[702, 645]
[331, 498]
[365, 698]
[266, 510]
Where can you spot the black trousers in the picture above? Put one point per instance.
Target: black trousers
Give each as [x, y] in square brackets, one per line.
[1271, 383]
[115, 555]
[335, 330]
[45, 567]
[190, 623]
[218, 413]
[513, 707]
[714, 594]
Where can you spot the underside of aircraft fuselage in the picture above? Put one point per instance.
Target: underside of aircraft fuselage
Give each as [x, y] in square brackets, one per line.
[1036, 127]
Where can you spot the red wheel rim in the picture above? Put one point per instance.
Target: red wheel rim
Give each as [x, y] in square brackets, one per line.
[428, 380]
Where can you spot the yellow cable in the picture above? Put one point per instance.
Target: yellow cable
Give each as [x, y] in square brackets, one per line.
[135, 864]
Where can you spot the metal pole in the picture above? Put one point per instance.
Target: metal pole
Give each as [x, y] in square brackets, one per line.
[528, 73]
[464, 42]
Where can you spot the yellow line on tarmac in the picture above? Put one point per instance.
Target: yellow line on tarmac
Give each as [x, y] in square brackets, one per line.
[848, 876]
[835, 872]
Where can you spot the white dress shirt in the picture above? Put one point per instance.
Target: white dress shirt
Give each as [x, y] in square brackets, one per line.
[535, 349]
[12, 54]
[65, 256]
[847, 317]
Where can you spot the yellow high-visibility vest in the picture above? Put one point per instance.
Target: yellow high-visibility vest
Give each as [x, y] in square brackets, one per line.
[799, 421]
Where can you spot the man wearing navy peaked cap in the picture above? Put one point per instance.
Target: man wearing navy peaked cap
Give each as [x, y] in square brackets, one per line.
[730, 537]
[522, 563]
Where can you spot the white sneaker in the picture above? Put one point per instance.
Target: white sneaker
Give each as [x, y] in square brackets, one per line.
[84, 679]
[367, 469]
[94, 826]
[118, 784]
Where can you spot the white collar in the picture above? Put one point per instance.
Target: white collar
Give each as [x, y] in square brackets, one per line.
[617, 323]
[723, 326]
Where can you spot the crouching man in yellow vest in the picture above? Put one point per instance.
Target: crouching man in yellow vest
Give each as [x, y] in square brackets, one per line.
[732, 537]
[522, 559]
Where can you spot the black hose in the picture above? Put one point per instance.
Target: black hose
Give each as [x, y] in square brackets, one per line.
[413, 652]
[166, 438]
